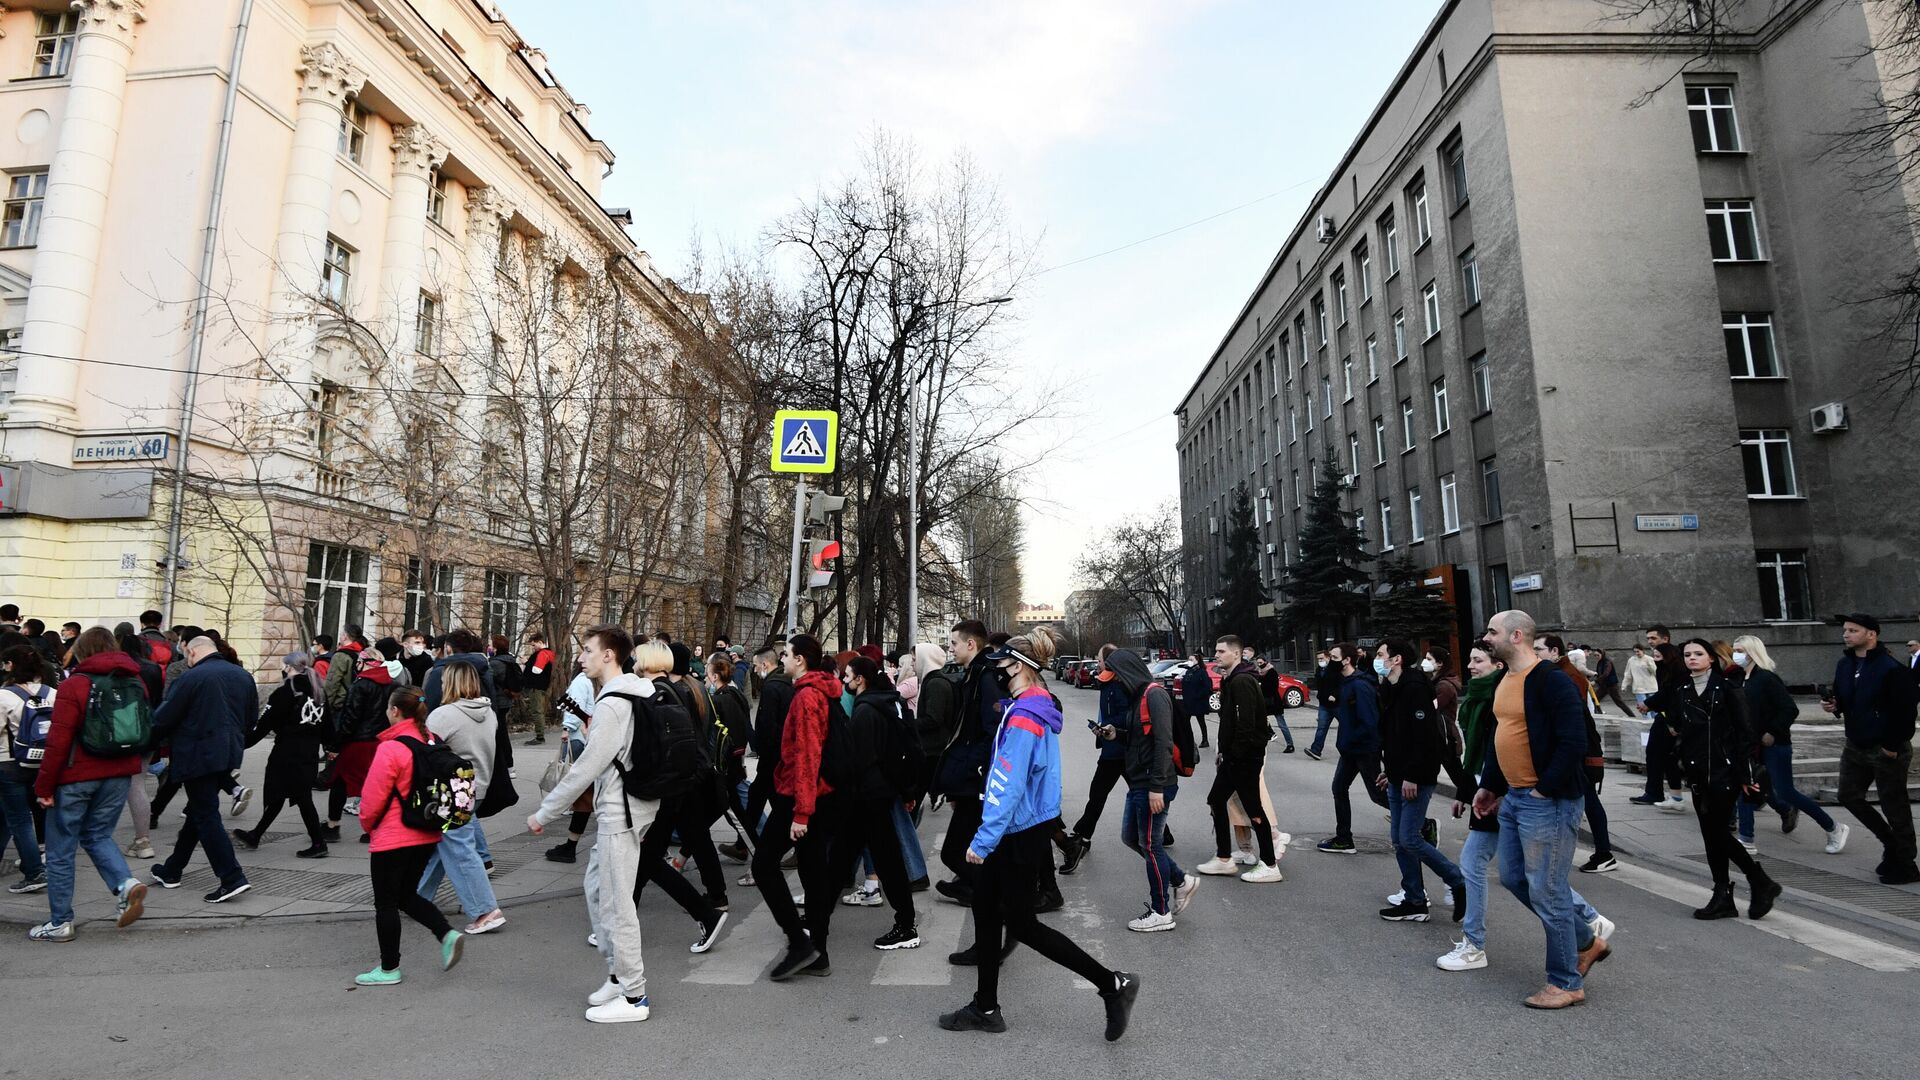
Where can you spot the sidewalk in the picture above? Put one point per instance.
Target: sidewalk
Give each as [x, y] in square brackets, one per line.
[336, 887]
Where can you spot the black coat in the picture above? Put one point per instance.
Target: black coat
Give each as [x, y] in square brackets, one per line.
[297, 722]
[770, 719]
[1413, 739]
[365, 715]
[1243, 718]
[205, 716]
[1772, 709]
[1714, 733]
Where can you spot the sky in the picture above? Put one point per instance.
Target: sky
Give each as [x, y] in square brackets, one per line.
[1104, 122]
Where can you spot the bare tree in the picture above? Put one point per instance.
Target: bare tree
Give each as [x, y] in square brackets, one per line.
[1138, 561]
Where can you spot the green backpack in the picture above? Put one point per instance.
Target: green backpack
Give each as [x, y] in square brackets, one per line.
[118, 720]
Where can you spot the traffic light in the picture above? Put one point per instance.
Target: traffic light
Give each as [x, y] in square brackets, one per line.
[819, 505]
[823, 561]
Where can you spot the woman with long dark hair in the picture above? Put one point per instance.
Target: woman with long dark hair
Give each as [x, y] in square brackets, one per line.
[1714, 745]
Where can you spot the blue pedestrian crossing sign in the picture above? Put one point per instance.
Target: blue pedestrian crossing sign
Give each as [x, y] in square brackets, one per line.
[804, 441]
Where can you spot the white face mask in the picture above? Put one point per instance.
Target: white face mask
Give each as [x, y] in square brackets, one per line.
[414, 649]
[1429, 666]
[1739, 658]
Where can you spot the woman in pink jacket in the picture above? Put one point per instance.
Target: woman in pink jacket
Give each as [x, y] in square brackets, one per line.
[398, 853]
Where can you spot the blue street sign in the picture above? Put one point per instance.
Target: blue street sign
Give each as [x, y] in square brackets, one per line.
[805, 441]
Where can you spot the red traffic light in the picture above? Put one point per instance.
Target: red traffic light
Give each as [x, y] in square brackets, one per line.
[824, 552]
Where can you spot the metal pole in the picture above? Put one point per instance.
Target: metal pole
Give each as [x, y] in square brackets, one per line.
[913, 514]
[197, 338]
[793, 569]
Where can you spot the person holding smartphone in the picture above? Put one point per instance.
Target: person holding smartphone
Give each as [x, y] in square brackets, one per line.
[1875, 697]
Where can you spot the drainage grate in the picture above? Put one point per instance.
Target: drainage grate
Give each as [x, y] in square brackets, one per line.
[1885, 899]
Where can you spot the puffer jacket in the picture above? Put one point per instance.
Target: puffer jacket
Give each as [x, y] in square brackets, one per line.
[365, 715]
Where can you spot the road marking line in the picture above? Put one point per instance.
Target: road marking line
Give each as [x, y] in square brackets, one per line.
[941, 925]
[1842, 944]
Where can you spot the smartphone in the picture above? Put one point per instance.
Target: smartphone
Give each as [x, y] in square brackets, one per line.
[1093, 726]
[1825, 690]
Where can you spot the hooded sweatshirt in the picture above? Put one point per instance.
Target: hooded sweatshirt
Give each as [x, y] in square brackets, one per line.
[430, 693]
[470, 728]
[797, 776]
[1023, 781]
[609, 739]
[389, 779]
[1147, 747]
[1359, 711]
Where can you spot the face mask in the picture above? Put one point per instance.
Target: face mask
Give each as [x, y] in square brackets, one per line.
[1379, 667]
[1429, 666]
[1739, 658]
[415, 650]
[1004, 680]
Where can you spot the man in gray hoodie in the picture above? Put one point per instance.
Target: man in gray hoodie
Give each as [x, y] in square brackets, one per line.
[1145, 729]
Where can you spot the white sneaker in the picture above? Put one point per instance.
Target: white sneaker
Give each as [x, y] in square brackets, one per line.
[620, 1011]
[1464, 957]
[1752, 848]
[240, 800]
[1261, 874]
[593, 941]
[1837, 839]
[1280, 842]
[51, 932]
[1218, 867]
[1675, 804]
[1245, 858]
[865, 896]
[492, 920]
[1183, 893]
[140, 849]
[609, 991]
[1602, 927]
[352, 807]
[1150, 921]
[1397, 898]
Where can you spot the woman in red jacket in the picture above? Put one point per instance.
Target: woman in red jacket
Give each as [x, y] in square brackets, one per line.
[397, 852]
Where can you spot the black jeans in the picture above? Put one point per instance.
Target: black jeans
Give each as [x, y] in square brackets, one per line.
[1240, 778]
[1106, 773]
[654, 866]
[699, 809]
[1003, 900]
[169, 787]
[1859, 768]
[967, 812]
[1596, 813]
[867, 825]
[396, 882]
[203, 828]
[1714, 808]
[758, 793]
[1366, 767]
[816, 885]
[1663, 761]
[276, 792]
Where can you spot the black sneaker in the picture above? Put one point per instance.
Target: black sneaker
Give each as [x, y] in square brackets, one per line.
[821, 966]
[737, 851]
[954, 891]
[900, 937]
[709, 931]
[1337, 846]
[1166, 839]
[1077, 849]
[537, 740]
[1120, 1003]
[1312, 753]
[1404, 911]
[1050, 900]
[717, 903]
[798, 956]
[1600, 864]
[1430, 832]
[227, 891]
[971, 1017]
[330, 833]
[1642, 800]
[920, 884]
[970, 956]
[317, 851]
[1288, 750]
[162, 879]
[562, 852]
[366, 838]
[1790, 820]
[1901, 875]
[246, 839]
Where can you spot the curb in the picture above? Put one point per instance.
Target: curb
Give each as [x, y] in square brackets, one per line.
[163, 923]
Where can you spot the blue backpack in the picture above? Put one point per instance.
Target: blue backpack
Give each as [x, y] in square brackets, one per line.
[29, 746]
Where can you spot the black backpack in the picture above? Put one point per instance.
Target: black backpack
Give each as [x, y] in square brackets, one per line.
[666, 752]
[506, 674]
[843, 757]
[440, 798]
[901, 759]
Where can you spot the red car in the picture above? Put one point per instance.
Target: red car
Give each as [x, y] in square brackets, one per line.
[1293, 692]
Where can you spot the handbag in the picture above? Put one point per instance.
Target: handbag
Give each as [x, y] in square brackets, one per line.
[557, 768]
[500, 790]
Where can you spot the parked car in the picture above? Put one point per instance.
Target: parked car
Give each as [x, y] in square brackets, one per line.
[1070, 674]
[1060, 665]
[1088, 671]
[1161, 667]
[1292, 691]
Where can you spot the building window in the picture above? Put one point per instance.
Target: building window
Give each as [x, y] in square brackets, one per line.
[353, 132]
[1399, 336]
[1482, 384]
[1416, 525]
[54, 36]
[1293, 424]
[336, 276]
[1390, 243]
[1442, 416]
[327, 401]
[1430, 307]
[1470, 278]
[1373, 358]
[437, 196]
[1406, 423]
[429, 611]
[1490, 489]
[1449, 505]
[1320, 317]
[1340, 297]
[496, 359]
[26, 193]
[1286, 348]
[1750, 352]
[427, 326]
[1784, 590]
[500, 604]
[1422, 221]
[1363, 268]
[1353, 453]
[1769, 459]
[1500, 585]
[1346, 377]
[1715, 129]
[1306, 393]
[336, 588]
[1455, 157]
[1386, 524]
[1326, 397]
[1300, 331]
[1733, 230]
[1379, 440]
[1296, 489]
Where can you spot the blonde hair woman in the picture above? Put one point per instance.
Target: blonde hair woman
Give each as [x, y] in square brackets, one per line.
[466, 722]
[1774, 711]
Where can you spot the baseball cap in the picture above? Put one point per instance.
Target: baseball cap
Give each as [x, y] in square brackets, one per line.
[1860, 619]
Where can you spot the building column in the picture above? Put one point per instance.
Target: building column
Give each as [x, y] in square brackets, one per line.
[487, 213]
[415, 153]
[67, 252]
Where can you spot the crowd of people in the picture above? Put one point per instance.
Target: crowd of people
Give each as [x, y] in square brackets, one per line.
[412, 736]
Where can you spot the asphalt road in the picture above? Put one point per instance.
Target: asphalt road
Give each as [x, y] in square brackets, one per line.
[1298, 978]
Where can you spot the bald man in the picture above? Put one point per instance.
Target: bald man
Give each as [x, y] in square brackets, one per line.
[205, 715]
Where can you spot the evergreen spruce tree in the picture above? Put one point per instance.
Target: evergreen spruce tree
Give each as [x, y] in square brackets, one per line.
[1241, 590]
[1410, 608]
[1325, 584]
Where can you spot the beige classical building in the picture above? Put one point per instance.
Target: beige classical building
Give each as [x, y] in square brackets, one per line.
[331, 270]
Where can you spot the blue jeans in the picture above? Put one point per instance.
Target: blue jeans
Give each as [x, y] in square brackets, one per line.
[1141, 831]
[1536, 858]
[1779, 762]
[83, 816]
[16, 818]
[1411, 849]
[457, 856]
[1475, 855]
[908, 832]
[1285, 731]
[1320, 727]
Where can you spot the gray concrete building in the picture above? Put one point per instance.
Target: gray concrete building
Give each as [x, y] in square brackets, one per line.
[1576, 317]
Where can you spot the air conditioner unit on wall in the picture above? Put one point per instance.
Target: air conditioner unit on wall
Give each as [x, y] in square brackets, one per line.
[1269, 549]
[1829, 417]
[1324, 231]
[1350, 481]
[1264, 494]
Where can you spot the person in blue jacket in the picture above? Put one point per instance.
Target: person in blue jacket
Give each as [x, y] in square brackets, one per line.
[1357, 742]
[1013, 842]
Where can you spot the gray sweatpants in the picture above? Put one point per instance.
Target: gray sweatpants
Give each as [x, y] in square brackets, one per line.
[612, 868]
